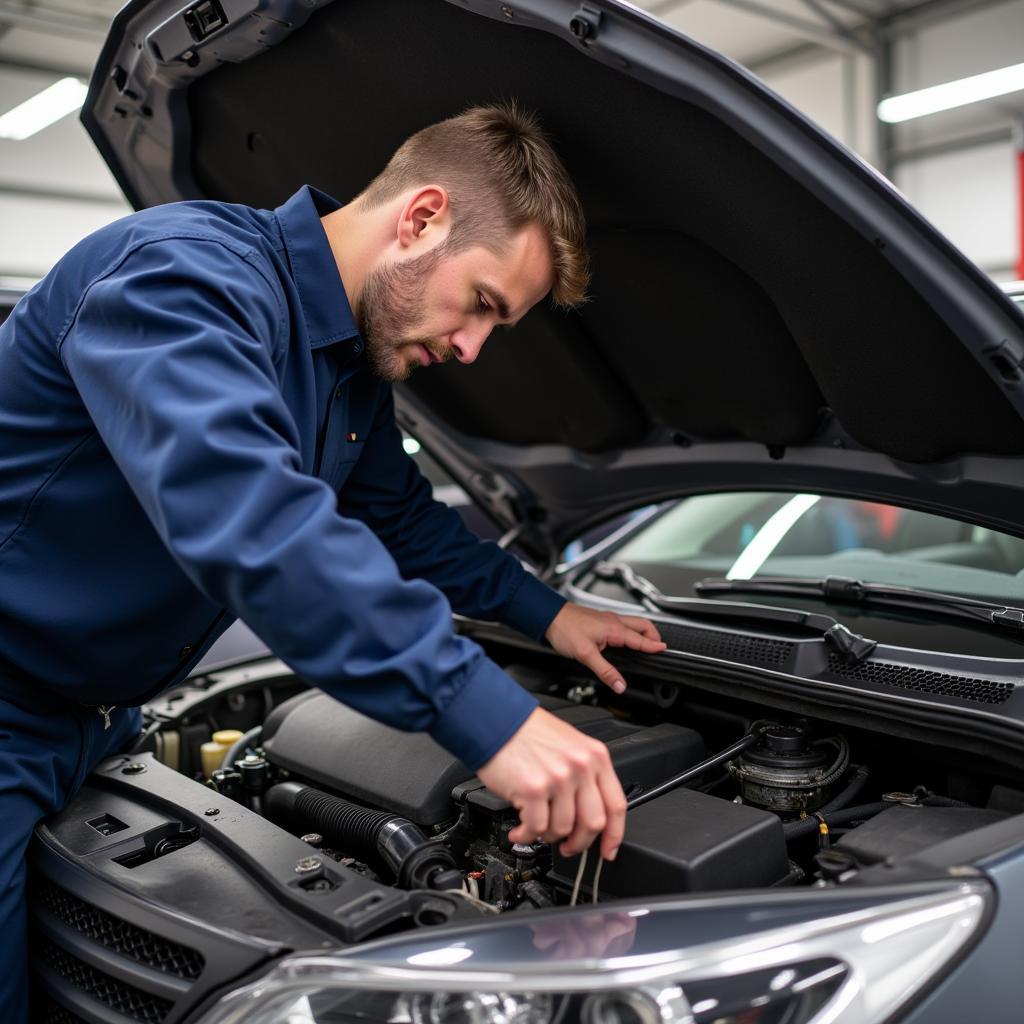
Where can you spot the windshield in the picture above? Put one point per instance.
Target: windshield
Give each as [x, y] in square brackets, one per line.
[752, 534]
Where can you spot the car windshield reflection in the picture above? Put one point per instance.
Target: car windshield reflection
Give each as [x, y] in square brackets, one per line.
[752, 534]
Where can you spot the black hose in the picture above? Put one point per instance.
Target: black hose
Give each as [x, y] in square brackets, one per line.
[237, 749]
[853, 787]
[838, 767]
[927, 798]
[341, 823]
[943, 801]
[416, 861]
[808, 826]
[699, 769]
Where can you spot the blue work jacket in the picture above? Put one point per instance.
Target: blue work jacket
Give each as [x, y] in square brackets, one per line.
[188, 433]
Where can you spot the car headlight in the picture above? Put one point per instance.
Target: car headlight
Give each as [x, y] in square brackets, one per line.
[826, 958]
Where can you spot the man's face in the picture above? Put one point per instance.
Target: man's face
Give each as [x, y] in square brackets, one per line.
[433, 307]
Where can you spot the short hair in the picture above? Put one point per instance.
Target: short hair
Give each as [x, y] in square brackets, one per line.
[501, 173]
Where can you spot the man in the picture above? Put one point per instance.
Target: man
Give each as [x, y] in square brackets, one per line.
[195, 424]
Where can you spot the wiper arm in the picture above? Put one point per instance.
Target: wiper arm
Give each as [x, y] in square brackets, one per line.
[846, 590]
[848, 645]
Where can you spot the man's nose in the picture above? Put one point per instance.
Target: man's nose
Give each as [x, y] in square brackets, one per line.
[467, 342]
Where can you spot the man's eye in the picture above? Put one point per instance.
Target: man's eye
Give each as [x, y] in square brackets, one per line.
[481, 303]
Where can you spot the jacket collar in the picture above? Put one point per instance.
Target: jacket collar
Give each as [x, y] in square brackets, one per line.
[325, 306]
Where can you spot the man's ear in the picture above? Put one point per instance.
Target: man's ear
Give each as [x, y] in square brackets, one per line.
[425, 216]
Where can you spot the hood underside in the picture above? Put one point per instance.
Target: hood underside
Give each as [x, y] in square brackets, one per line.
[766, 312]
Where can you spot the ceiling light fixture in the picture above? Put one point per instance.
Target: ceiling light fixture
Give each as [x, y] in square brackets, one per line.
[952, 94]
[53, 103]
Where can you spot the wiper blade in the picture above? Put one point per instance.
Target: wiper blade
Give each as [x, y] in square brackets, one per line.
[846, 590]
[850, 646]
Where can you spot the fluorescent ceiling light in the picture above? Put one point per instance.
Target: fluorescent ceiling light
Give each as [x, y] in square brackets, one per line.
[43, 109]
[952, 94]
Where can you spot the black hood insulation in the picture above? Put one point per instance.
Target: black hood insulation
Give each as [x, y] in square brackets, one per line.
[727, 303]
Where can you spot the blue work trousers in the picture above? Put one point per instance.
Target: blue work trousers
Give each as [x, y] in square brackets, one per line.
[44, 758]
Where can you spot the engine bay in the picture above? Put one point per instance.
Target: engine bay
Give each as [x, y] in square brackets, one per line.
[257, 817]
[722, 795]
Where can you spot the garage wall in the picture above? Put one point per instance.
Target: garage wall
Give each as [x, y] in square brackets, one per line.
[35, 232]
[959, 167]
[54, 188]
[970, 195]
[835, 90]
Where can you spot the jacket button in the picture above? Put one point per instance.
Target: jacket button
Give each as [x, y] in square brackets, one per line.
[357, 347]
[186, 650]
[339, 391]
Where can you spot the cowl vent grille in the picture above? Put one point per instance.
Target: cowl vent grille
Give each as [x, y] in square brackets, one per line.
[118, 995]
[747, 650]
[117, 935]
[907, 677]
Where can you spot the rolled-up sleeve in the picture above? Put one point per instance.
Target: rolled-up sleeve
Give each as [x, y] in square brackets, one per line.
[427, 539]
[174, 355]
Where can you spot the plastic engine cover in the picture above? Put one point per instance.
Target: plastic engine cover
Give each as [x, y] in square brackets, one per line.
[325, 742]
[686, 841]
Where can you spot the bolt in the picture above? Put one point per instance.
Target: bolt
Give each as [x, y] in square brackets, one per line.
[507, 11]
[314, 839]
[305, 865]
[523, 850]
[211, 811]
[135, 768]
[583, 25]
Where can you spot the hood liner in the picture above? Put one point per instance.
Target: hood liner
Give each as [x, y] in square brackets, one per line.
[765, 313]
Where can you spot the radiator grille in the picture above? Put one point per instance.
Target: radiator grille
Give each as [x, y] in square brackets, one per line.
[118, 995]
[980, 691]
[117, 935]
[748, 650]
[46, 1010]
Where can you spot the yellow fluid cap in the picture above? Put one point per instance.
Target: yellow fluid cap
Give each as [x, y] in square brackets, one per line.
[227, 737]
[212, 756]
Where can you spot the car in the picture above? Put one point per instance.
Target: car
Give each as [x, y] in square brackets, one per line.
[807, 405]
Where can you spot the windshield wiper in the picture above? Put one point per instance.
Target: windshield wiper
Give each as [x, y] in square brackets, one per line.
[846, 590]
[850, 646]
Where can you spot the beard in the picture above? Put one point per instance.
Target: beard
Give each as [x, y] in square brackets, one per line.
[390, 310]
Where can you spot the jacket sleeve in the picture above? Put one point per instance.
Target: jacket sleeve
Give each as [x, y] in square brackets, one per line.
[174, 355]
[427, 539]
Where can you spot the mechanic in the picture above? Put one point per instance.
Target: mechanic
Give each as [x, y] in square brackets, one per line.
[196, 424]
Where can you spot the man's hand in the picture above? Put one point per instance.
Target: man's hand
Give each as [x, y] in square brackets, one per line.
[583, 633]
[562, 784]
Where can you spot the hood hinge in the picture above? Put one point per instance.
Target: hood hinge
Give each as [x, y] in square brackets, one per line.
[528, 527]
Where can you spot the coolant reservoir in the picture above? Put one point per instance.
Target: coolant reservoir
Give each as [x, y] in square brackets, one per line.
[212, 753]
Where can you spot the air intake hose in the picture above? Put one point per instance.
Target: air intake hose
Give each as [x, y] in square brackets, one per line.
[416, 862]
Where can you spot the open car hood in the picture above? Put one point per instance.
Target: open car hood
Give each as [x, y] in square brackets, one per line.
[767, 312]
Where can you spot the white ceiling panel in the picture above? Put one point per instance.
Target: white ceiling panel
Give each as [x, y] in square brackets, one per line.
[23, 46]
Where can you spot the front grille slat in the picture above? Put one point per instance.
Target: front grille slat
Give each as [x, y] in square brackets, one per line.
[118, 995]
[46, 1010]
[923, 680]
[118, 935]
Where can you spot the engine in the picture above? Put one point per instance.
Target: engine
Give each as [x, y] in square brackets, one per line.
[401, 810]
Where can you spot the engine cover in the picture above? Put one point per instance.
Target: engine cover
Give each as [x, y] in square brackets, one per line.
[323, 741]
